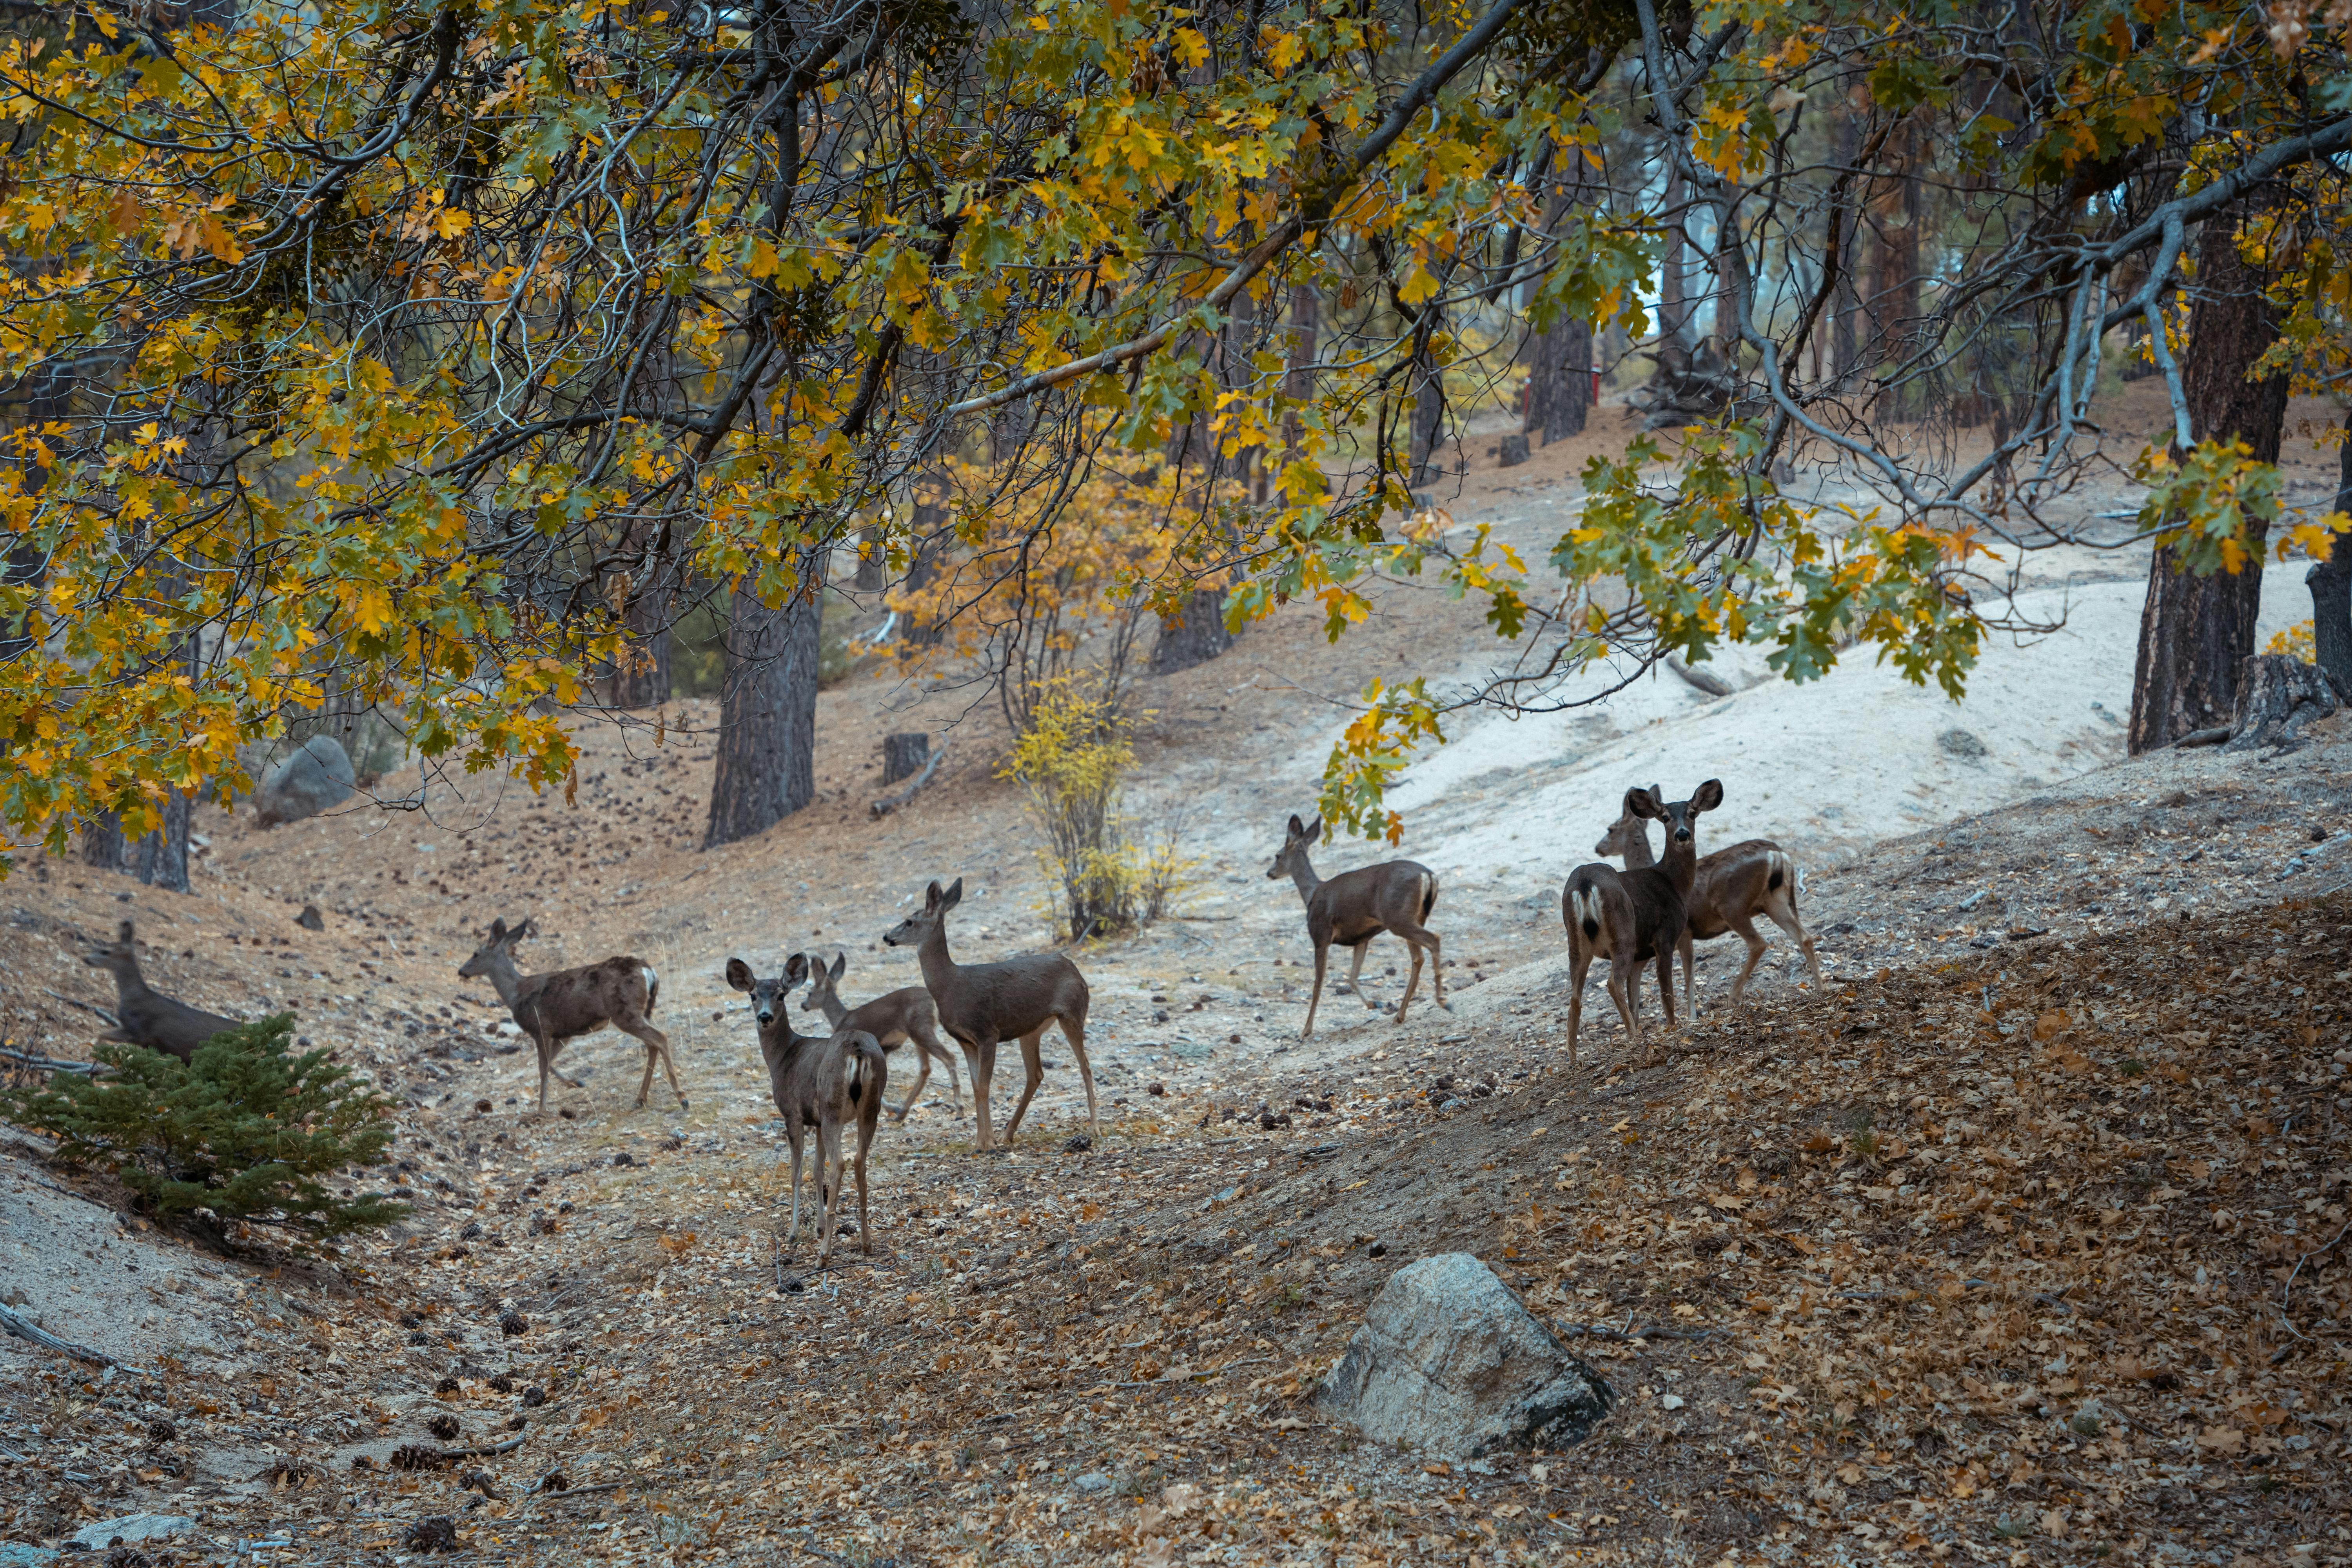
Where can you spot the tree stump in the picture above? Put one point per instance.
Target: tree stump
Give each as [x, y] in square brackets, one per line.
[2277, 696]
[904, 755]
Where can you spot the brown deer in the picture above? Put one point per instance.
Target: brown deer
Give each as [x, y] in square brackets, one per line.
[1354, 907]
[983, 1003]
[1729, 888]
[906, 1013]
[826, 1081]
[561, 1005]
[1633, 917]
[145, 1016]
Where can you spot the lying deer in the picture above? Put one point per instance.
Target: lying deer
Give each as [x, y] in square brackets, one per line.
[826, 1082]
[145, 1015]
[983, 1003]
[906, 1013]
[1633, 917]
[1729, 888]
[1354, 907]
[561, 1005]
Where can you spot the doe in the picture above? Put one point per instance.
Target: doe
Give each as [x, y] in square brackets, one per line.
[824, 1081]
[983, 1003]
[1729, 890]
[146, 1016]
[1631, 916]
[565, 1004]
[906, 1014]
[1356, 906]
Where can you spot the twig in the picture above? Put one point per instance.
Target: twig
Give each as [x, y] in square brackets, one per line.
[77, 1002]
[890, 803]
[509, 1446]
[24, 1328]
[2287, 1287]
[1705, 681]
[50, 1064]
[1655, 1331]
[581, 1491]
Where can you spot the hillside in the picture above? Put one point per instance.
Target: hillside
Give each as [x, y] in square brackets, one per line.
[2019, 1238]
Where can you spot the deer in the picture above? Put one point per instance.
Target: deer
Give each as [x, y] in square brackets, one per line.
[562, 1004]
[1356, 906]
[145, 1016]
[1729, 888]
[906, 1013]
[1633, 917]
[826, 1081]
[982, 1004]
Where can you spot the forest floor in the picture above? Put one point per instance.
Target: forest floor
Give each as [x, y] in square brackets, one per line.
[2018, 1240]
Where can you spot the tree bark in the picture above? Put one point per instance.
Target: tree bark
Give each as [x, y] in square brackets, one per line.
[1428, 412]
[2195, 633]
[1894, 251]
[1845, 297]
[1298, 380]
[767, 709]
[1195, 636]
[1559, 381]
[2330, 582]
[642, 679]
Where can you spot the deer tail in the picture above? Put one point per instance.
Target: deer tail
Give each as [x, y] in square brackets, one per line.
[1781, 880]
[1584, 908]
[1428, 895]
[653, 985]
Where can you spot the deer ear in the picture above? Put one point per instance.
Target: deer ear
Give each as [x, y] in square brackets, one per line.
[122, 933]
[1643, 803]
[1632, 806]
[1315, 830]
[840, 964]
[796, 969]
[738, 974]
[519, 932]
[931, 897]
[953, 896]
[1297, 829]
[498, 931]
[1709, 795]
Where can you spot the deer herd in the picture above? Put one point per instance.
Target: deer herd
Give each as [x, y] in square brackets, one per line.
[834, 1082]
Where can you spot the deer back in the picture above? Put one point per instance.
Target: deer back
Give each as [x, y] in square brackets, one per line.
[893, 1018]
[1371, 898]
[1736, 882]
[1007, 999]
[565, 1004]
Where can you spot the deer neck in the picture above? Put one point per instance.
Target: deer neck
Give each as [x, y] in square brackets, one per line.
[1637, 853]
[1680, 864]
[130, 986]
[939, 968]
[828, 1001]
[1303, 874]
[505, 978]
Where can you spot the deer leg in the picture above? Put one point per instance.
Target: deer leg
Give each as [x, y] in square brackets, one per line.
[793, 1137]
[1412, 978]
[1666, 983]
[1355, 973]
[1626, 990]
[982, 1059]
[828, 1187]
[922, 1077]
[1417, 938]
[1322, 958]
[1746, 927]
[1690, 979]
[656, 1046]
[1076, 1032]
[1783, 913]
[1035, 1070]
[1580, 969]
[928, 1043]
[864, 1142]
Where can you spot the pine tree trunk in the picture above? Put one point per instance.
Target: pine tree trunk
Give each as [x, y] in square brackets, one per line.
[2195, 633]
[767, 709]
[1196, 637]
[2330, 582]
[1298, 382]
[1428, 386]
[1845, 297]
[101, 842]
[161, 858]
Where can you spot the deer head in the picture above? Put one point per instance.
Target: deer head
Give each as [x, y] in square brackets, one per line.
[118, 956]
[768, 996]
[824, 981]
[1294, 843]
[499, 945]
[1679, 817]
[912, 931]
[1627, 835]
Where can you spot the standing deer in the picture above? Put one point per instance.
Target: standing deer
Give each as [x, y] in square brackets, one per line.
[1633, 917]
[983, 1003]
[1729, 888]
[1356, 906]
[565, 1004]
[147, 1018]
[824, 1081]
[906, 1013]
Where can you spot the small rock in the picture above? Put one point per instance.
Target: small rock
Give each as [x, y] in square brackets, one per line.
[438, 1533]
[317, 777]
[1449, 1104]
[1093, 1481]
[622, 1158]
[513, 1323]
[311, 919]
[1671, 1401]
[1156, 1090]
[1449, 1363]
[16, 1554]
[130, 1530]
[1961, 744]
[1513, 451]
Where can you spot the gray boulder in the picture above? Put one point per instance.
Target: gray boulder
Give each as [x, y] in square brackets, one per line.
[1448, 1363]
[130, 1530]
[317, 777]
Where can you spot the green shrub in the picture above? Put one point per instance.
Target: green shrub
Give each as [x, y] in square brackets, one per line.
[247, 1130]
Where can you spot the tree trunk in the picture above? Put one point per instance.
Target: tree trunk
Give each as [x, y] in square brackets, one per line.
[1299, 380]
[101, 842]
[2195, 633]
[767, 709]
[868, 579]
[161, 858]
[904, 755]
[1428, 412]
[1672, 323]
[2277, 696]
[1895, 253]
[641, 680]
[929, 526]
[1195, 637]
[2330, 582]
[1845, 297]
